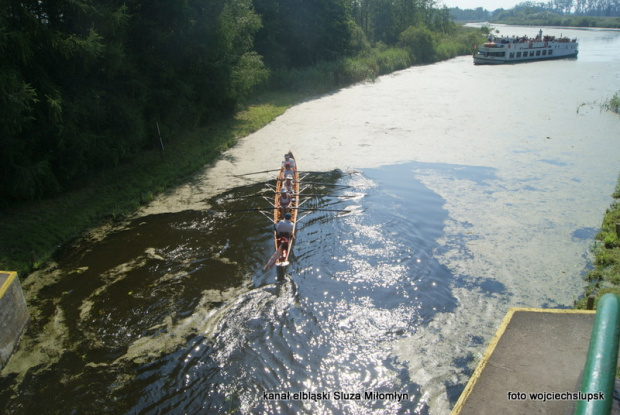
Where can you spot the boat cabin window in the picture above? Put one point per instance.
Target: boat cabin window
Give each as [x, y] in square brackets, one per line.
[518, 54]
[544, 53]
[512, 55]
[537, 53]
[551, 52]
[532, 53]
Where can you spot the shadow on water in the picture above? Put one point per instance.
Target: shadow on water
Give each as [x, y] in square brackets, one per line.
[174, 314]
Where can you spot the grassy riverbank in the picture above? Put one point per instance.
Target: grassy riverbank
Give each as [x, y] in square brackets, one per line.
[605, 277]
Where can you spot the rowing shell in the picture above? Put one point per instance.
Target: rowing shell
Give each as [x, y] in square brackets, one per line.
[284, 246]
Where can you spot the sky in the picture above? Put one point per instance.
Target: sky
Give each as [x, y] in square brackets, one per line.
[485, 4]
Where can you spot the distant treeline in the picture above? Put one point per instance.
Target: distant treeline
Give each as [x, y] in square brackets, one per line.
[579, 13]
[471, 15]
[608, 8]
[539, 16]
[83, 83]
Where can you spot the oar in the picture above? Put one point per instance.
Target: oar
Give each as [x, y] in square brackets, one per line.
[242, 210]
[315, 172]
[308, 194]
[263, 210]
[323, 210]
[267, 195]
[300, 219]
[273, 208]
[327, 184]
[320, 210]
[273, 258]
[245, 197]
[255, 172]
[265, 214]
[318, 194]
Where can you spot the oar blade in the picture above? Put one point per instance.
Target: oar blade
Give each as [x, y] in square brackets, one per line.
[255, 172]
[273, 258]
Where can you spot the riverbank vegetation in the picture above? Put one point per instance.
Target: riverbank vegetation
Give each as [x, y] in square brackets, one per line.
[613, 104]
[605, 277]
[105, 104]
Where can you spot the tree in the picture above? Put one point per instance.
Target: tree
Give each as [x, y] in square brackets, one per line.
[385, 20]
[82, 82]
[420, 44]
[54, 46]
[299, 33]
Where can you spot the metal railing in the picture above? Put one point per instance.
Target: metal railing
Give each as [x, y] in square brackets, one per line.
[599, 374]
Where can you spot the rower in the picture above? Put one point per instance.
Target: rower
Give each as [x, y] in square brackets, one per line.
[289, 159]
[288, 169]
[288, 184]
[284, 228]
[284, 235]
[286, 200]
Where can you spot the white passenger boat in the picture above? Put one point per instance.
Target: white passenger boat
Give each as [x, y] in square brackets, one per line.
[500, 50]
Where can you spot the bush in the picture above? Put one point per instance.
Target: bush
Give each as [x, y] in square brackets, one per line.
[447, 50]
[419, 43]
[356, 70]
[613, 104]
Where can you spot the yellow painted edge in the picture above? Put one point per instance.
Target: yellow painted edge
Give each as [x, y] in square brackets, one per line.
[7, 283]
[491, 348]
[554, 310]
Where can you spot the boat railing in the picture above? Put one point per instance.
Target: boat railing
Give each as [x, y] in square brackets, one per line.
[599, 373]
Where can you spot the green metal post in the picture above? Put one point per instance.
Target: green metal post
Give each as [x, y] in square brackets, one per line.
[600, 371]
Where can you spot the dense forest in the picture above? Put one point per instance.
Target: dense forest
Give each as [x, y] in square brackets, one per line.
[84, 84]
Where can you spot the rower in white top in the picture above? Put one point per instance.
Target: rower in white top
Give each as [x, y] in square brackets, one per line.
[286, 200]
[288, 184]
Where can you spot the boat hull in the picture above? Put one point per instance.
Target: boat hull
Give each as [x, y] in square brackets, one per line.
[496, 61]
[513, 51]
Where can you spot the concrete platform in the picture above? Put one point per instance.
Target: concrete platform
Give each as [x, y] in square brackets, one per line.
[534, 354]
[14, 314]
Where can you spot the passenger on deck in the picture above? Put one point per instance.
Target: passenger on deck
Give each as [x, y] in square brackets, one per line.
[289, 159]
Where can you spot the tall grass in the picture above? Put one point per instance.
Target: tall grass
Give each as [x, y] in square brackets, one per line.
[368, 65]
[391, 60]
[613, 104]
[326, 76]
[605, 277]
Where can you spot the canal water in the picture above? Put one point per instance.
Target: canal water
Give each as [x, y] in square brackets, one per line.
[442, 195]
